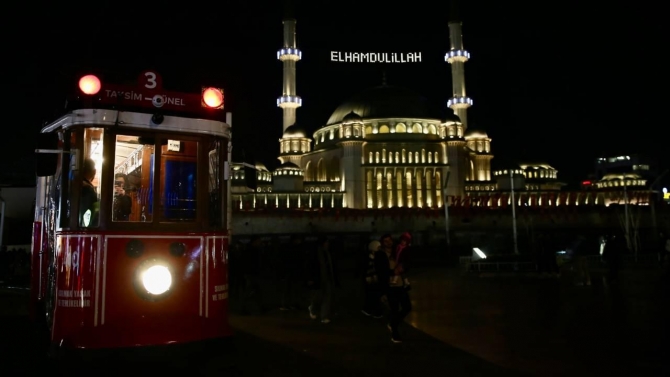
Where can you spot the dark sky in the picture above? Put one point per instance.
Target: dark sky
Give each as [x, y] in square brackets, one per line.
[561, 82]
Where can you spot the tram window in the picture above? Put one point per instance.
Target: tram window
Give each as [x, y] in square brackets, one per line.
[132, 187]
[89, 174]
[215, 194]
[178, 180]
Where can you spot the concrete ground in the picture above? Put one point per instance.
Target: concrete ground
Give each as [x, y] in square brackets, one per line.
[469, 325]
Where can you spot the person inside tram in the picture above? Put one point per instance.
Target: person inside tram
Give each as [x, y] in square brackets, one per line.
[88, 205]
[122, 202]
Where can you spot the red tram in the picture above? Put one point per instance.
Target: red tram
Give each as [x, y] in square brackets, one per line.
[132, 215]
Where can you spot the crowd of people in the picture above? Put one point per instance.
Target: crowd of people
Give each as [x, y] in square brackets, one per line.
[308, 273]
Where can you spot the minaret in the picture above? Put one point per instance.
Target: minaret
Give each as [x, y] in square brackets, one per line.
[457, 56]
[289, 56]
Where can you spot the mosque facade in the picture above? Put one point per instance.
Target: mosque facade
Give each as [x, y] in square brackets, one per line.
[384, 148]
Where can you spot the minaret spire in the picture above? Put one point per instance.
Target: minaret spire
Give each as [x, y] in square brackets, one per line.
[289, 55]
[457, 56]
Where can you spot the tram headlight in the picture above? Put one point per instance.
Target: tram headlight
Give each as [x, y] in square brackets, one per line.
[212, 98]
[154, 278]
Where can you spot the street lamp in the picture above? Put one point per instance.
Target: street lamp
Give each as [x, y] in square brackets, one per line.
[446, 206]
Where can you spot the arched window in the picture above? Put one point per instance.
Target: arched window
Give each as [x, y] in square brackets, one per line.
[384, 129]
[369, 188]
[389, 189]
[398, 185]
[400, 127]
[419, 189]
[429, 189]
[408, 183]
[379, 188]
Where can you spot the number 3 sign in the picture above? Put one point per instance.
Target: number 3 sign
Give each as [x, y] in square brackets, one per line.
[150, 80]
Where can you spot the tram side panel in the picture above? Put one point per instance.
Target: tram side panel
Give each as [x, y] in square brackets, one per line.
[77, 301]
[217, 292]
[101, 302]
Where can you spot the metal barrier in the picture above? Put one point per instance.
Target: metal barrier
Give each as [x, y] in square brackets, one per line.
[630, 260]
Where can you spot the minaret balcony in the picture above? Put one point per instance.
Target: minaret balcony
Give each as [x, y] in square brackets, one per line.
[459, 102]
[289, 102]
[289, 54]
[457, 56]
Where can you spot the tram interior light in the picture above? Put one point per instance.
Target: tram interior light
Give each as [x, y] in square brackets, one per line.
[156, 279]
[212, 98]
[89, 84]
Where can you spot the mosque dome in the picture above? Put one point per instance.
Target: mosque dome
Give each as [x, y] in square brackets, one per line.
[288, 166]
[475, 134]
[352, 117]
[295, 131]
[451, 117]
[384, 102]
[260, 166]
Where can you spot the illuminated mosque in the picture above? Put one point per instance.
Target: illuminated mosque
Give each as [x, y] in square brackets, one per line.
[384, 148]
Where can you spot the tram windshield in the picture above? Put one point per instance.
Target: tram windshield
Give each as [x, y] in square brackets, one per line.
[154, 178]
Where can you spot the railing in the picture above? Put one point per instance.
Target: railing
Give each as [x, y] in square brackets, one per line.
[630, 260]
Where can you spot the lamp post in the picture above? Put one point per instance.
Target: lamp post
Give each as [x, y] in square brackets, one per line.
[652, 204]
[511, 180]
[446, 207]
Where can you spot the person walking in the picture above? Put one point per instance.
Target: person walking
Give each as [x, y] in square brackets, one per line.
[372, 305]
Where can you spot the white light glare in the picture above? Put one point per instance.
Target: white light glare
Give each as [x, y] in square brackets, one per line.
[479, 252]
[157, 279]
[665, 190]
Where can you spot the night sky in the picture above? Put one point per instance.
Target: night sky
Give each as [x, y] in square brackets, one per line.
[557, 82]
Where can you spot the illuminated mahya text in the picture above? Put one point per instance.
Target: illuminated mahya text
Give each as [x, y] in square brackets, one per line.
[375, 57]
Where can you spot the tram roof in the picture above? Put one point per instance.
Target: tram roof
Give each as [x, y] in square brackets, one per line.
[138, 120]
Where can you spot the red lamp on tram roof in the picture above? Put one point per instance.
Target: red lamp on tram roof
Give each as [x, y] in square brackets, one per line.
[89, 84]
[212, 98]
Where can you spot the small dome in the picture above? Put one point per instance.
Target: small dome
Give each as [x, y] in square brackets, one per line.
[616, 176]
[288, 166]
[536, 165]
[451, 117]
[295, 131]
[476, 134]
[352, 117]
[260, 166]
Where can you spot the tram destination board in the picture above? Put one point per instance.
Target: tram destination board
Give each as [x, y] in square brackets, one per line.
[149, 93]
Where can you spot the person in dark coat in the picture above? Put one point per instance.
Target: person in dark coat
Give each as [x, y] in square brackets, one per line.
[290, 272]
[322, 280]
[615, 247]
[393, 274]
[372, 305]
